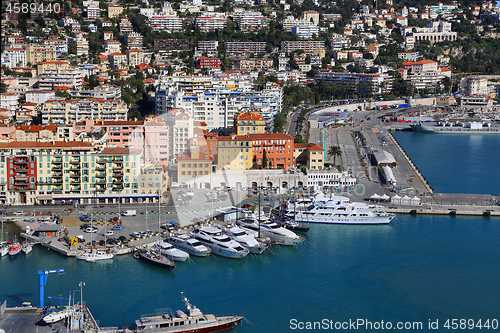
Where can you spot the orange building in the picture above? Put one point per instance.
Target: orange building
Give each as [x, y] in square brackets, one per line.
[279, 149]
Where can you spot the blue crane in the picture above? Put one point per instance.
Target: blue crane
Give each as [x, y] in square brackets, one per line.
[42, 281]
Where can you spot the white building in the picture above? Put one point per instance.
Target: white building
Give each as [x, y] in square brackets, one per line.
[305, 31]
[211, 21]
[434, 32]
[250, 21]
[52, 78]
[168, 23]
[15, 57]
[181, 128]
[9, 101]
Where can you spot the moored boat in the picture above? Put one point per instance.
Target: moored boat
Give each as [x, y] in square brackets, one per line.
[26, 248]
[193, 320]
[155, 258]
[170, 251]
[190, 245]
[220, 244]
[94, 256]
[275, 232]
[245, 238]
[61, 313]
[15, 248]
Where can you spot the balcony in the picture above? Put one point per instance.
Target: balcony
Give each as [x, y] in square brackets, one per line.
[57, 191]
[117, 188]
[77, 161]
[117, 169]
[75, 175]
[100, 182]
[56, 174]
[57, 167]
[57, 160]
[75, 181]
[75, 168]
[101, 168]
[21, 161]
[101, 189]
[102, 161]
[57, 181]
[117, 181]
[117, 174]
[24, 178]
[20, 169]
[118, 159]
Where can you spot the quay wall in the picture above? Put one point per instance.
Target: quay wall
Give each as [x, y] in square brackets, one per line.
[411, 164]
[429, 211]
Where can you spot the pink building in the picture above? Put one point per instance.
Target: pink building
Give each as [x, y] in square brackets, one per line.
[421, 66]
[7, 132]
[150, 136]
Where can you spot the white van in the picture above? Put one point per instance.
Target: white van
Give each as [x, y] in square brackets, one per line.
[130, 212]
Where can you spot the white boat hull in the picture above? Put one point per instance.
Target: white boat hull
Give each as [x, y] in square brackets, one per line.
[93, 257]
[346, 220]
[27, 248]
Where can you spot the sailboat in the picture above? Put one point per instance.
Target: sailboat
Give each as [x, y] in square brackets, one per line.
[95, 255]
[4, 246]
[26, 247]
[153, 255]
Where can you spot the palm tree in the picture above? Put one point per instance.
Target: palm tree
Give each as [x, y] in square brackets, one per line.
[335, 151]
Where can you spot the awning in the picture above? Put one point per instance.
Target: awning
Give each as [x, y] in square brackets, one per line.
[45, 197]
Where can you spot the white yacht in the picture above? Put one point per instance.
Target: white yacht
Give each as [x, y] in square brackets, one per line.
[245, 238]
[170, 252]
[220, 244]
[26, 248]
[62, 313]
[190, 245]
[275, 232]
[94, 256]
[339, 210]
[4, 249]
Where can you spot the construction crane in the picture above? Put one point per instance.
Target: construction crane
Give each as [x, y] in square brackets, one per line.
[42, 281]
[455, 74]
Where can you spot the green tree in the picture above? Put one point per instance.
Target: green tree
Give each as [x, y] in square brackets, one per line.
[335, 151]
[298, 139]
[3, 87]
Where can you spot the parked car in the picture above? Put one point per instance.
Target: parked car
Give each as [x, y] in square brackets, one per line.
[91, 230]
[111, 241]
[80, 239]
[19, 212]
[109, 233]
[117, 227]
[84, 218]
[102, 242]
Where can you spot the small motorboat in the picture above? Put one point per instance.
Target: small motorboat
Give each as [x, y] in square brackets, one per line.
[15, 249]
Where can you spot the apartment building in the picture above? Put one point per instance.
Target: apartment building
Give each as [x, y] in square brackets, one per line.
[234, 152]
[278, 147]
[211, 21]
[44, 66]
[52, 78]
[208, 45]
[245, 47]
[36, 133]
[290, 22]
[195, 167]
[375, 83]
[171, 44]
[134, 40]
[308, 46]
[9, 103]
[66, 111]
[61, 46]
[93, 11]
[168, 23]
[102, 92]
[79, 45]
[217, 107]
[252, 63]
[149, 136]
[14, 57]
[311, 16]
[134, 57]
[305, 31]
[309, 154]
[152, 180]
[181, 128]
[111, 46]
[125, 26]
[114, 10]
[249, 122]
[36, 53]
[250, 21]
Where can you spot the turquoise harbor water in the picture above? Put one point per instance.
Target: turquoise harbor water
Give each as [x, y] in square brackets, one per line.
[416, 269]
[461, 163]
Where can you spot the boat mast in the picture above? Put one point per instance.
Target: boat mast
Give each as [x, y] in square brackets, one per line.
[159, 207]
[259, 206]
[294, 188]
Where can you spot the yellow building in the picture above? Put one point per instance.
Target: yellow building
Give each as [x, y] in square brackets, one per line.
[114, 10]
[150, 180]
[45, 65]
[234, 152]
[36, 133]
[250, 122]
[195, 168]
[36, 53]
[309, 154]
